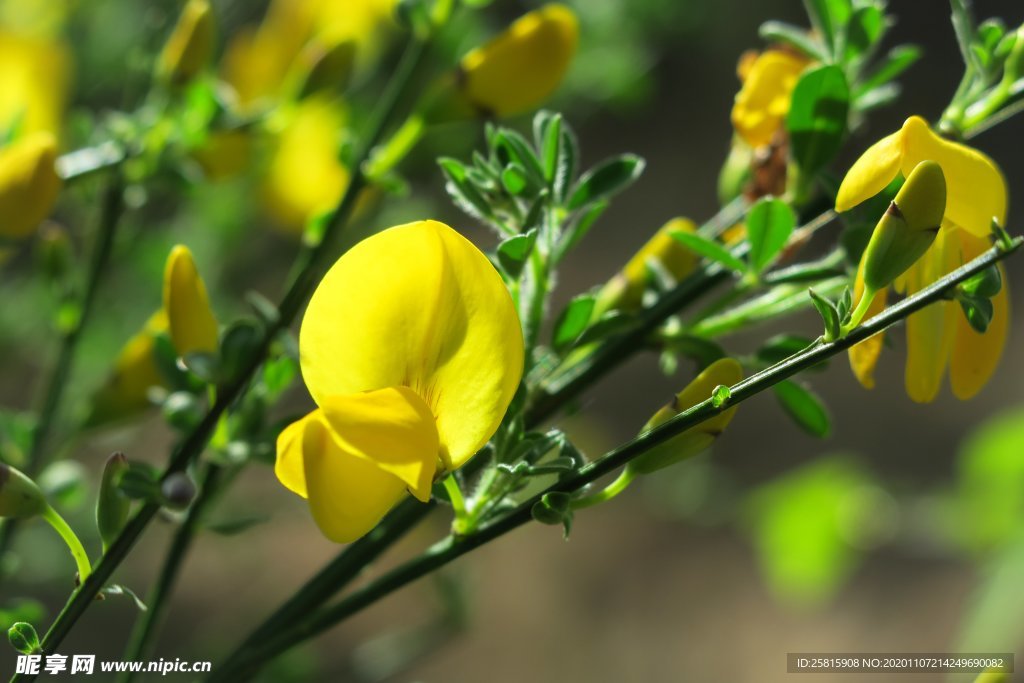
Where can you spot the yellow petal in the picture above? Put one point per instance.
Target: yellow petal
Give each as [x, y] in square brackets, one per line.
[289, 467]
[189, 317]
[869, 175]
[347, 494]
[975, 356]
[763, 101]
[418, 306]
[33, 81]
[391, 427]
[864, 356]
[930, 330]
[29, 184]
[520, 68]
[976, 188]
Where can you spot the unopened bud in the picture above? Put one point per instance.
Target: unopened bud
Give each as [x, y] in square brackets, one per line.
[20, 498]
[29, 184]
[908, 227]
[112, 506]
[190, 46]
[23, 638]
[711, 383]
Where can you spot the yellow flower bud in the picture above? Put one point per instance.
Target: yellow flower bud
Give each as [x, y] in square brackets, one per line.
[19, 495]
[126, 390]
[514, 72]
[190, 320]
[907, 228]
[190, 46]
[763, 101]
[727, 372]
[29, 184]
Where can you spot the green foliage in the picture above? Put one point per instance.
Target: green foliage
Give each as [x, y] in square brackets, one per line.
[770, 223]
[804, 407]
[817, 119]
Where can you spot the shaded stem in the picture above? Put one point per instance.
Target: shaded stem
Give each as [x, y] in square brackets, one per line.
[288, 309]
[141, 640]
[450, 549]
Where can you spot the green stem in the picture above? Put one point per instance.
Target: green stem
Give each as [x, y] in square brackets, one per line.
[451, 486]
[290, 306]
[112, 208]
[860, 311]
[244, 667]
[613, 489]
[140, 642]
[54, 519]
[387, 157]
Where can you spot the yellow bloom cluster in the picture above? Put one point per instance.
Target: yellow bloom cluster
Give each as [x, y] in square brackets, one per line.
[762, 103]
[410, 380]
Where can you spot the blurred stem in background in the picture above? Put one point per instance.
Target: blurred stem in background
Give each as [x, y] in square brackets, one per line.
[244, 663]
[110, 214]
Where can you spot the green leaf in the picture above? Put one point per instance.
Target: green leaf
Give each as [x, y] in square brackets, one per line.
[64, 483]
[793, 36]
[606, 179]
[463, 193]
[552, 147]
[985, 284]
[829, 314]
[978, 312]
[116, 589]
[573, 321]
[23, 638]
[513, 252]
[514, 179]
[238, 347]
[554, 508]
[565, 170]
[829, 17]
[770, 222]
[609, 324]
[709, 249]
[817, 117]
[899, 59]
[517, 150]
[866, 27]
[579, 228]
[804, 407]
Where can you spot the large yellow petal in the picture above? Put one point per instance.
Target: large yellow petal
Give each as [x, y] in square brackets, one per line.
[33, 81]
[864, 356]
[289, 466]
[930, 330]
[392, 427]
[976, 188]
[763, 101]
[870, 174]
[418, 306]
[975, 356]
[520, 68]
[189, 316]
[347, 494]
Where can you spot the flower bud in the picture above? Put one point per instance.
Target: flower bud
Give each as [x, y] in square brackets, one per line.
[112, 506]
[177, 491]
[29, 184]
[327, 69]
[907, 228]
[190, 46]
[724, 372]
[19, 496]
[514, 72]
[190, 319]
[23, 638]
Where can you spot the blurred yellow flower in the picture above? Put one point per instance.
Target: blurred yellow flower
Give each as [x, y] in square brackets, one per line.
[763, 102]
[29, 184]
[34, 81]
[726, 372]
[523, 66]
[412, 350]
[190, 319]
[939, 336]
[126, 390]
[190, 45]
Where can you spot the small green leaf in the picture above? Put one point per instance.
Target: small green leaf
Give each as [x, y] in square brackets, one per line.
[985, 284]
[606, 179]
[238, 346]
[899, 59]
[517, 150]
[554, 508]
[829, 314]
[867, 24]
[23, 638]
[565, 169]
[514, 179]
[573, 321]
[978, 312]
[579, 227]
[817, 118]
[116, 589]
[709, 249]
[804, 407]
[769, 225]
[611, 323]
[513, 252]
[552, 147]
[793, 36]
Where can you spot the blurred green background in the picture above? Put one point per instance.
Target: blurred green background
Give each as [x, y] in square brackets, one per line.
[903, 531]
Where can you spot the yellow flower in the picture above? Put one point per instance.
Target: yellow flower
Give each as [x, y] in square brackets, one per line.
[190, 45]
[29, 184]
[625, 291]
[126, 390]
[190, 320]
[763, 101]
[412, 350]
[518, 69]
[33, 82]
[726, 372]
[939, 336]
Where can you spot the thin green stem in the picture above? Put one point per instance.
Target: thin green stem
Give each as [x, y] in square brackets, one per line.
[860, 311]
[140, 642]
[289, 308]
[110, 215]
[244, 667]
[613, 489]
[451, 486]
[54, 519]
[385, 158]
